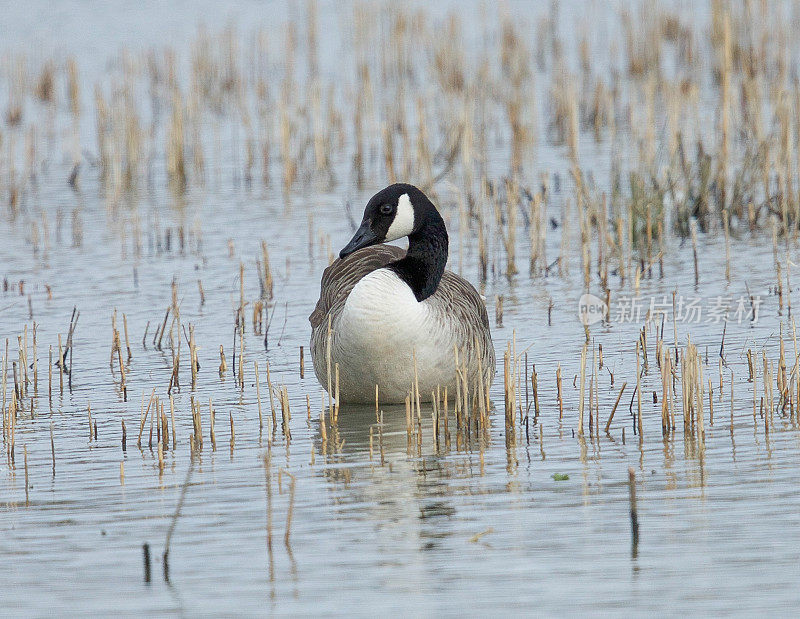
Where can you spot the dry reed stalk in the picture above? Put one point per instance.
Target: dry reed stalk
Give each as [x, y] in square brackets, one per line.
[302, 367]
[639, 392]
[271, 399]
[258, 395]
[286, 413]
[328, 361]
[159, 334]
[164, 429]
[483, 398]
[144, 416]
[193, 361]
[127, 341]
[582, 390]
[322, 428]
[336, 398]
[24, 359]
[223, 364]
[241, 355]
[118, 346]
[614, 409]
[12, 417]
[416, 397]
[4, 380]
[212, 433]
[510, 388]
[710, 403]
[60, 366]
[592, 391]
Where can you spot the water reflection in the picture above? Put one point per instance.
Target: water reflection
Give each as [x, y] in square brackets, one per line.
[392, 476]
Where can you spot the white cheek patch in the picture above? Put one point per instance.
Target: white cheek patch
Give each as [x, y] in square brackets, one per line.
[403, 223]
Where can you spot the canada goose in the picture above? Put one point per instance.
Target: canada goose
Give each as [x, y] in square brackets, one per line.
[391, 311]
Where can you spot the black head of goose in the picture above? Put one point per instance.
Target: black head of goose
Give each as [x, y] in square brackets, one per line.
[398, 319]
[403, 210]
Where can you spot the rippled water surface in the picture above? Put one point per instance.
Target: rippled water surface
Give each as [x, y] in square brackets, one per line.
[533, 519]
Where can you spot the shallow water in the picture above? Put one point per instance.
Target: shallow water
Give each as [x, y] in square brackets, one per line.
[374, 525]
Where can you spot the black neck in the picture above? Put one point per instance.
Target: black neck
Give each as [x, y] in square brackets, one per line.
[423, 265]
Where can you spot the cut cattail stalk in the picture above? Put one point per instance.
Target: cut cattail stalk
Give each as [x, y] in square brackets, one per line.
[614, 410]
[302, 368]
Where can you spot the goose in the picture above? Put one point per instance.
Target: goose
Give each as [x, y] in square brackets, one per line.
[398, 318]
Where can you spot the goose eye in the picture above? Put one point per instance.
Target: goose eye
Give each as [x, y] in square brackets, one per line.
[386, 209]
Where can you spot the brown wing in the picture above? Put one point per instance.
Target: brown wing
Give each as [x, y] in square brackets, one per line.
[341, 276]
[464, 310]
[463, 300]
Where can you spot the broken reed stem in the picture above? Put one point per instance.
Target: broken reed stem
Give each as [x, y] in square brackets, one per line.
[614, 409]
[60, 366]
[302, 364]
[145, 413]
[559, 394]
[212, 434]
[271, 399]
[638, 392]
[336, 398]
[127, 341]
[172, 419]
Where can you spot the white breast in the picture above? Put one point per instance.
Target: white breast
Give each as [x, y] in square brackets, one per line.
[381, 329]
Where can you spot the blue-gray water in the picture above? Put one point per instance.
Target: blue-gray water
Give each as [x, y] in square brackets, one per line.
[448, 532]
